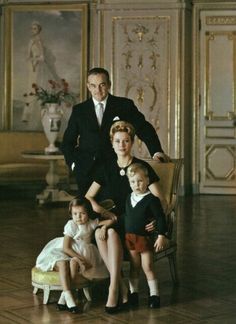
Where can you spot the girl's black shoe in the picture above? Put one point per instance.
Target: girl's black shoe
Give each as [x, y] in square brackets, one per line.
[73, 310]
[61, 307]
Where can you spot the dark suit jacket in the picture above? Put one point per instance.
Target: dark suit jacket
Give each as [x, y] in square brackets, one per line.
[84, 142]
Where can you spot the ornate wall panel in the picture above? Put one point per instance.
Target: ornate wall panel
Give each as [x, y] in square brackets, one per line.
[141, 64]
[141, 50]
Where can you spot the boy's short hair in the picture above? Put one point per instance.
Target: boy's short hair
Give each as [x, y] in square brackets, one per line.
[136, 168]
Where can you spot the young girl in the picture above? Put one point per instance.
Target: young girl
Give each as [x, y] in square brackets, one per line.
[74, 252]
[141, 207]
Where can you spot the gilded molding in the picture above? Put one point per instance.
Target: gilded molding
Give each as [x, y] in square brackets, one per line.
[210, 114]
[221, 20]
[211, 167]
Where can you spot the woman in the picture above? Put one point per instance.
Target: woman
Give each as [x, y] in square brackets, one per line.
[41, 69]
[113, 179]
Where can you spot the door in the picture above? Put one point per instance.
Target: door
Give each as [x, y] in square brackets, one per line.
[217, 102]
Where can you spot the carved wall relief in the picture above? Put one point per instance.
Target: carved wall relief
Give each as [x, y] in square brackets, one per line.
[141, 50]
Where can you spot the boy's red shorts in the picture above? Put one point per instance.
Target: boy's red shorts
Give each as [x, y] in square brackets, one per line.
[138, 243]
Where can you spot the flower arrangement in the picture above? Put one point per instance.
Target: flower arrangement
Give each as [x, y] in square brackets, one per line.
[57, 92]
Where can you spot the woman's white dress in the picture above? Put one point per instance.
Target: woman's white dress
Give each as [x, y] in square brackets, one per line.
[81, 234]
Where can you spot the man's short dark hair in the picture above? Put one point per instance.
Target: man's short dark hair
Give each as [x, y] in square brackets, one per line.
[99, 70]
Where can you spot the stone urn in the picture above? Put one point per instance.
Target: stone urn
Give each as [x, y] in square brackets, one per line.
[51, 114]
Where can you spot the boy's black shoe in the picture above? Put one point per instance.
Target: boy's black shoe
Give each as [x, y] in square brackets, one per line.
[134, 299]
[154, 301]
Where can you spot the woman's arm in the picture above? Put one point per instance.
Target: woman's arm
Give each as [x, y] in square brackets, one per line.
[156, 191]
[91, 194]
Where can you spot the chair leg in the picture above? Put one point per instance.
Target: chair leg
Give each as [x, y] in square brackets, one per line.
[87, 294]
[173, 268]
[46, 293]
[35, 290]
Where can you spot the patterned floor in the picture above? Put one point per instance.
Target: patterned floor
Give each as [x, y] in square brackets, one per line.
[206, 259]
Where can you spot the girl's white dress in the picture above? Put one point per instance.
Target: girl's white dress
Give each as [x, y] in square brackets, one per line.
[82, 234]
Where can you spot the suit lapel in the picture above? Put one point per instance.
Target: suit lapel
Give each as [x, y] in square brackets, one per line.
[109, 113]
[90, 109]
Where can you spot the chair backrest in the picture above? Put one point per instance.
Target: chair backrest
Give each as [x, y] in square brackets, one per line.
[169, 174]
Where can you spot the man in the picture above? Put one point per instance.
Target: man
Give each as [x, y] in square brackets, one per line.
[86, 141]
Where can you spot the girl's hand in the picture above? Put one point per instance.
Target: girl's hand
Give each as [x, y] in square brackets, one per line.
[161, 243]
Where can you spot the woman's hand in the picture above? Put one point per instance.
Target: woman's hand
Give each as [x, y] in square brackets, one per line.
[150, 227]
[106, 214]
[83, 264]
[161, 243]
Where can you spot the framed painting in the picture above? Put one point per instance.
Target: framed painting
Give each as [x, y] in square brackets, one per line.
[42, 43]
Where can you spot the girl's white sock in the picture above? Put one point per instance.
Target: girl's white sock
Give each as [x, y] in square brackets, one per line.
[153, 287]
[62, 300]
[69, 299]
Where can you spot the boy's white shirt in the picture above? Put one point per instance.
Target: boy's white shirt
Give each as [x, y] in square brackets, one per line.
[134, 198]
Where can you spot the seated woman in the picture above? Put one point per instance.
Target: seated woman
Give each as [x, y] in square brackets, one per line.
[113, 178]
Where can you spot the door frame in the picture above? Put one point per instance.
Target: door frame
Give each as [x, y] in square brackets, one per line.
[196, 99]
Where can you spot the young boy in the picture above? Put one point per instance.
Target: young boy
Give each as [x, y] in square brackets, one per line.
[141, 206]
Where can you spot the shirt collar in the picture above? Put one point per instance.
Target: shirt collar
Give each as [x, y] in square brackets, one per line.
[104, 102]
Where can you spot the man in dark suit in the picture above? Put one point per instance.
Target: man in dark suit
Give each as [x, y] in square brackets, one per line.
[86, 141]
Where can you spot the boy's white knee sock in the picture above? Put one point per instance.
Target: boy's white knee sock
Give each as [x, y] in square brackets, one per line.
[153, 287]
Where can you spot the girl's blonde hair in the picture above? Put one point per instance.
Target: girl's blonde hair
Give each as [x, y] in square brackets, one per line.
[122, 126]
[136, 168]
[84, 202]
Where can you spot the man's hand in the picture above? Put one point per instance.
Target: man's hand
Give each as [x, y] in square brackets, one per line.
[161, 157]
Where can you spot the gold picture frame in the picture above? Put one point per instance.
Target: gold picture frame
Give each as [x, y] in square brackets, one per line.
[63, 32]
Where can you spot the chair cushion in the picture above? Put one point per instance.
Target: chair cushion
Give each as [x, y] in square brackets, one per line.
[52, 278]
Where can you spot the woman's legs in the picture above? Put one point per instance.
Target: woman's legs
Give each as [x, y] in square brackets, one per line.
[112, 254]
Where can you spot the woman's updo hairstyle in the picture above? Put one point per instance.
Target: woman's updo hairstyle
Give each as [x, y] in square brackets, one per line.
[122, 126]
[36, 23]
[84, 202]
